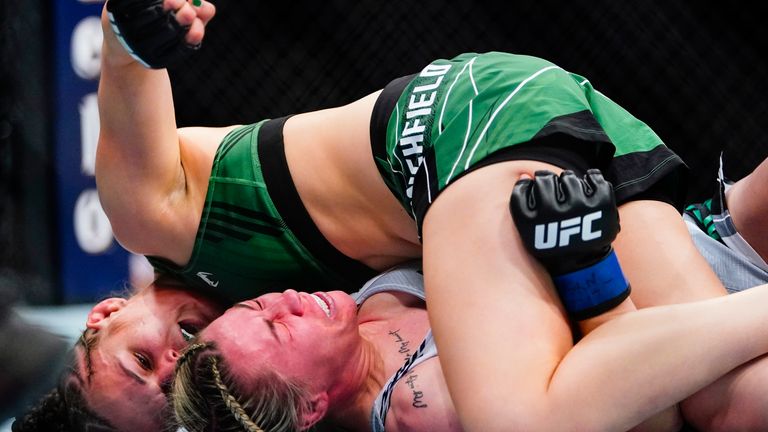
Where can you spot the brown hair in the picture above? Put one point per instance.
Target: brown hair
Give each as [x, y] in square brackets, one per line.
[206, 396]
[64, 409]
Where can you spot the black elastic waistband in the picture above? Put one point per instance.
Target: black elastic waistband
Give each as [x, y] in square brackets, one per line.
[382, 110]
[277, 177]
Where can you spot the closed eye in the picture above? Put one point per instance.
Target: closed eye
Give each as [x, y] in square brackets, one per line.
[287, 330]
[272, 329]
[253, 305]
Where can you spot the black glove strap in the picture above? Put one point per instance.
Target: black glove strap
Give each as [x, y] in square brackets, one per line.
[150, 34]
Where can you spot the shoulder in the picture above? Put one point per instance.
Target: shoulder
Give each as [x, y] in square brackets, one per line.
[420, 401]
[393, 305]
[395, 298]
[204, 139]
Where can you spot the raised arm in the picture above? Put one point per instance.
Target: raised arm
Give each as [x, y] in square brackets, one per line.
[149, 179]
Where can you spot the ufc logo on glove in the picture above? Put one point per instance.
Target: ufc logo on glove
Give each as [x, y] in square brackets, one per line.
[546, 235]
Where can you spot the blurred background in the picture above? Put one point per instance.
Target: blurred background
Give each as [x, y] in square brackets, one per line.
[695, 73]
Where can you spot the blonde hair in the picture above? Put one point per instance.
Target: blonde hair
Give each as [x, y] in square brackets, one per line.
[206, 396]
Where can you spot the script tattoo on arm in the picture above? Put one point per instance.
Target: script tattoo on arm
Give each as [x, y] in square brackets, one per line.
[403, 344]
[403, 347]
[418, 395]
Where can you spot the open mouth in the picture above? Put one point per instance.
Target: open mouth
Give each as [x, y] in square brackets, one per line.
[322, 301]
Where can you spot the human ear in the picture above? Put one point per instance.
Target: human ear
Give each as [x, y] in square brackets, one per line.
[318, 408]
[103, 310]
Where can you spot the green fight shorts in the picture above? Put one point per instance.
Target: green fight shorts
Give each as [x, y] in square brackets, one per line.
[455, 116]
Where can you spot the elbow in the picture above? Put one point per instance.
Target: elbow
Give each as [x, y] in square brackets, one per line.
[129, 218]
[126, 228]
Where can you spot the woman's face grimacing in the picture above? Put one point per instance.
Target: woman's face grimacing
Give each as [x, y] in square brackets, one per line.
[304, 336]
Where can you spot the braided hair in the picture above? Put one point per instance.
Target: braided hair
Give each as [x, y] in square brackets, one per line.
[207, 398]
[64, 408]
[50, 415]
[61, 411]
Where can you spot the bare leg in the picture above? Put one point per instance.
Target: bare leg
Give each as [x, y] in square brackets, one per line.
[679, 274]
[748, 206]
[505, 345]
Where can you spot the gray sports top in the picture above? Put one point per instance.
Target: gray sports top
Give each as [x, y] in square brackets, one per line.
[407, 279]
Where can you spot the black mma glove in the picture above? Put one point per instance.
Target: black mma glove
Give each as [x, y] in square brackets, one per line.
[568, 224]
[150, 34]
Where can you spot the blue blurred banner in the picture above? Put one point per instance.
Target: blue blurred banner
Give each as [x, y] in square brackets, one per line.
[91, 262]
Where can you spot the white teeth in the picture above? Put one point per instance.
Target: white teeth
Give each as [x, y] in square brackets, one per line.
[323, 305]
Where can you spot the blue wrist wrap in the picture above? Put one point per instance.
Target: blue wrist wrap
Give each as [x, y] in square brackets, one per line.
[593, 290]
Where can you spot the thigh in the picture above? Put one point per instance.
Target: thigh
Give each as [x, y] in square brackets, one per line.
[494, 312]
[659, 257]
[748, 206]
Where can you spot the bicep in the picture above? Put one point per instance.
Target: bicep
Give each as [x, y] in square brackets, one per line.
[138, 159]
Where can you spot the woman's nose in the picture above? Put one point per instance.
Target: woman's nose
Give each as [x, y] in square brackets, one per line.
[166, 367]
[290, 302]
[169, 357]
